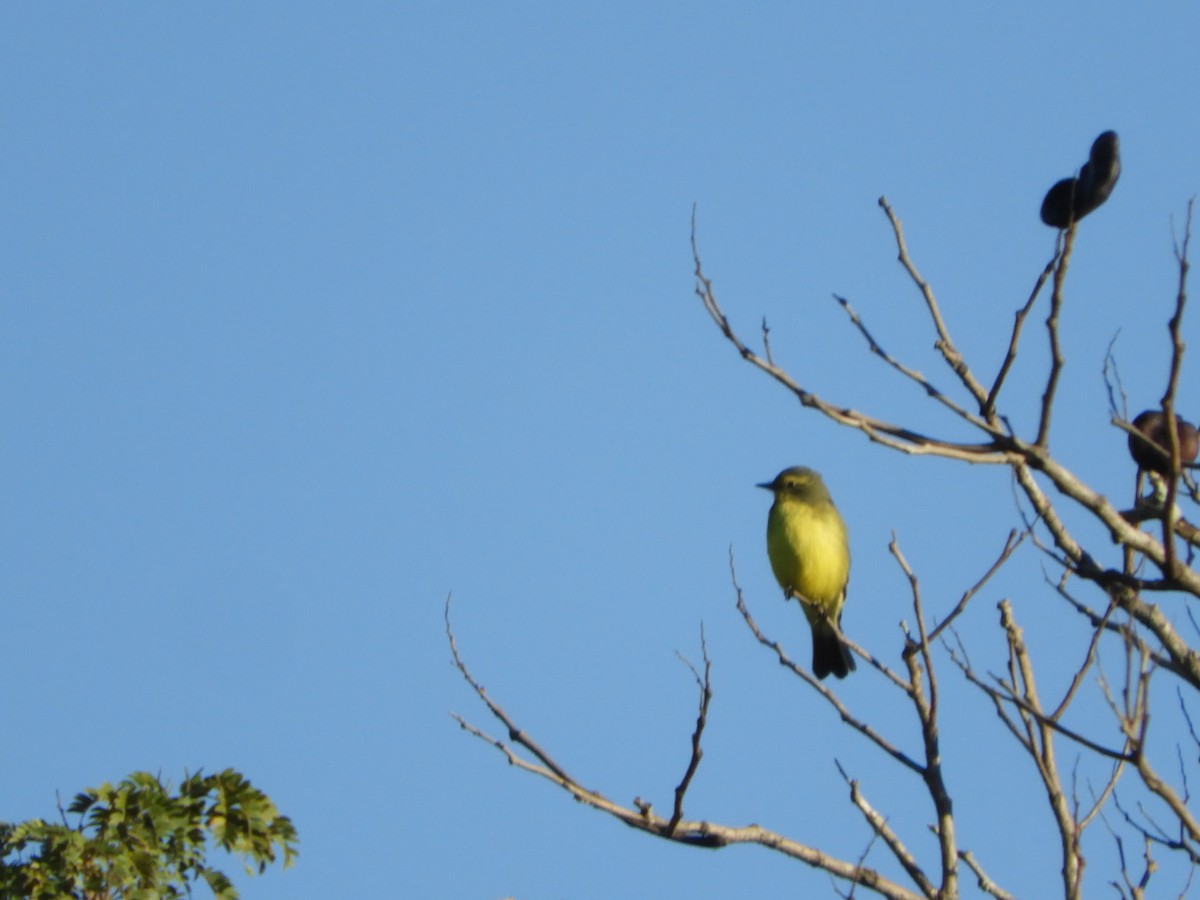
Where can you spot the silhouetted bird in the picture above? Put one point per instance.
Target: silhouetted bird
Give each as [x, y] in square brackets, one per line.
[1153, 424]
[1074, 198]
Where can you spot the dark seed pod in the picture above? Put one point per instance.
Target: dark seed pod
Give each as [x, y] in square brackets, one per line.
[1074, 198]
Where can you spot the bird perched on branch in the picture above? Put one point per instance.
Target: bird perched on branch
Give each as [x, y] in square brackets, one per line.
[810, 556]
[1156, 459]
[1153, 424]
[1073, 198]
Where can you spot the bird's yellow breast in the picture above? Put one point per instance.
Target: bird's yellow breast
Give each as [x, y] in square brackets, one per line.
[809, 552]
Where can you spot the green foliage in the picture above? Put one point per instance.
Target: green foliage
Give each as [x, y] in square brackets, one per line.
[138, 841]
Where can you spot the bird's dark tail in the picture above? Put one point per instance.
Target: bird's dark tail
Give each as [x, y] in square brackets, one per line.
[830, 655]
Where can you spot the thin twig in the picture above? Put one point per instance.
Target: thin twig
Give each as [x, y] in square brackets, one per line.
[925, 703]
[705, 685]
[910, 373]
[1056, 357]
[829, 696]
[1006, 693]
[1089, 657]
[1010, 356]
[766, 340]
[945, 343]
[1168, 400]
[1114, 383]
[1011, 543]
[985, 883]
[1041, 736]
[880, 826]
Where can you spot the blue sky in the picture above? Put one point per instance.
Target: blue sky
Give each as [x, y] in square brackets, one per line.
[316, 313]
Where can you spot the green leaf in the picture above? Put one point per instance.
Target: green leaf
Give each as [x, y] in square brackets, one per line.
[139, 841]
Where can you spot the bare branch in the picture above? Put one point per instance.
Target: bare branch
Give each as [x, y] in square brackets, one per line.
[514, 733]
[1113, 383]
[1005, 449]
[911, 374]
[831, 698]
[925, 702]
[1007, 694]
[1010, 357]
[1182, 659]
[1177, 804]
[1089, 657]
[1168, 400]
[1056, 357]
[944, 343]
[1133, 716]
[1044, 757]
[881, 828]
[985, 883]
[886, 433]
[1010, 546]
[705, 685]
[766, 341]
[696, 833]
[1099, 800]
[1099, 620]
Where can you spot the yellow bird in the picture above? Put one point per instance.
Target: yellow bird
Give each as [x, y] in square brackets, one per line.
[810, 556]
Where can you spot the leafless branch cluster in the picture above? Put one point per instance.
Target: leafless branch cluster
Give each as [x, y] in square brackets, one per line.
[1128, 619]
[640, 814]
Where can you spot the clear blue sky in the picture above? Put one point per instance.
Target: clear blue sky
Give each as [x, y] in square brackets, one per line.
[314, 313]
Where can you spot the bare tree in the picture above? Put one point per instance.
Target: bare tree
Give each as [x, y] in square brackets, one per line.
[1147, 810]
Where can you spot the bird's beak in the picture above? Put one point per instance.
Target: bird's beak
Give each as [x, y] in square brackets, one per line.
[767, 486]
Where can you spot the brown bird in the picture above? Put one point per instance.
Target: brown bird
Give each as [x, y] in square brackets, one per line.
[1073, 198]
[1153, 424]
